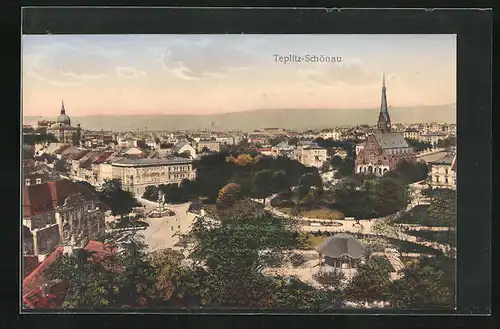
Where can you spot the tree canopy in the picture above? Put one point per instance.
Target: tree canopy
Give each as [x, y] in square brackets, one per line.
[119, 201]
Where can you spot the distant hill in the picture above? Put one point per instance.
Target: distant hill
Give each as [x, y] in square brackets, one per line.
[297, 119]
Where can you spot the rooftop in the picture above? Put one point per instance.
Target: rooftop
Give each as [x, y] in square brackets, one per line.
[341, 245]
[150, 162]
[42, 198]
[448, 159]
[391, 140]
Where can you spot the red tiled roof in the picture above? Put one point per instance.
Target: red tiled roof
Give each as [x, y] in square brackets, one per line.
[36, 279]
[103, 157]
[30, 263]
[42, 198]
[80, 155]
[100, 249]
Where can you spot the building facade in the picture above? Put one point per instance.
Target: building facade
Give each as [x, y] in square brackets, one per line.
[411, 134]
[443, 172]
[210, 145]
[312, 155]
[383, 150]
[60, 212]
[137, 174]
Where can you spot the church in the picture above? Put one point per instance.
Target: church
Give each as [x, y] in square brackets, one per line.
[382, 150]
[62, 129]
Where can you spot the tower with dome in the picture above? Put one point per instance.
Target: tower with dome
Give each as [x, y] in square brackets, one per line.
[62, 129]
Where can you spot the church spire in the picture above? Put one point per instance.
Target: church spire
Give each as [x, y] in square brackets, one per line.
[384, 120]
[63, 110]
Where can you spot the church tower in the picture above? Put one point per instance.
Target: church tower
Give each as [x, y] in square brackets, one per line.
[384, 120]
[63, 110]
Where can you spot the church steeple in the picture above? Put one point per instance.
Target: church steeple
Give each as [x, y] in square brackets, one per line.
[384, 120]
[63, 110]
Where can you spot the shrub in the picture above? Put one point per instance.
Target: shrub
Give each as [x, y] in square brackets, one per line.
[282, 203]
[297, 260]
[330, 278]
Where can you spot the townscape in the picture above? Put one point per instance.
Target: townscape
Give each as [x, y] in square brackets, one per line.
[343, 217]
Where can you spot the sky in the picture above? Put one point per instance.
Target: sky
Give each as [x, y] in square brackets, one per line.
[209, 74]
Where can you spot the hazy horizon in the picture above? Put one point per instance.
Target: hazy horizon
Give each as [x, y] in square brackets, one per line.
[217, 74]
[295, 119]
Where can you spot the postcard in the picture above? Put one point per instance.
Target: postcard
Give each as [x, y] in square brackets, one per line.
[256, 172]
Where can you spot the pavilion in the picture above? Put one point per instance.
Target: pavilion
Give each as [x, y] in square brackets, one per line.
[341, 251]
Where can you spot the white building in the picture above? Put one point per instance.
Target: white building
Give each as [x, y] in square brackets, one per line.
[283, 149]
[137, 174]
[443, 171]
[332, 134]
[186, 148]
[411, 134]
[311, 155]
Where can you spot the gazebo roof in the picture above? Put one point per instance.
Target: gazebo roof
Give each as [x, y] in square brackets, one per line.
[341, 245]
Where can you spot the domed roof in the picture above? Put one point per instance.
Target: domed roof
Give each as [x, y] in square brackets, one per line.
[342, 245]
[63, 118]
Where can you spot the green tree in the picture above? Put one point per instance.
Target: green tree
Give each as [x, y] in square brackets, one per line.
[442, 210]
[371, 282]
[151, 193]
[167, 271]
[228, 195]
[390, 196]
[336, 162]
[137, 275]
[330, 278]
[281, 181]
[234, 259]
[263, 184]
[119, 201]
[90, 284]
[310, 181]
[422, 287]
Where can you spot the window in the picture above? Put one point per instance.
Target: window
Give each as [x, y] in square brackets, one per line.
[446, 171]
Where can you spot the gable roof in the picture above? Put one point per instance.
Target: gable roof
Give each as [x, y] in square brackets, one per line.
[103, 157]
[36, 278]
[42, 198]
[80, 155]
[179, 145]
[391, 140]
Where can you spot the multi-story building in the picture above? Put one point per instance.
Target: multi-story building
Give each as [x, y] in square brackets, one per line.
[60, 212]
[311, 155]
[382, 151]
[208, 144]
[137, 174]
[283, 149]
[433, 137]
[411, 134]
[443, 171]
[331, 134]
